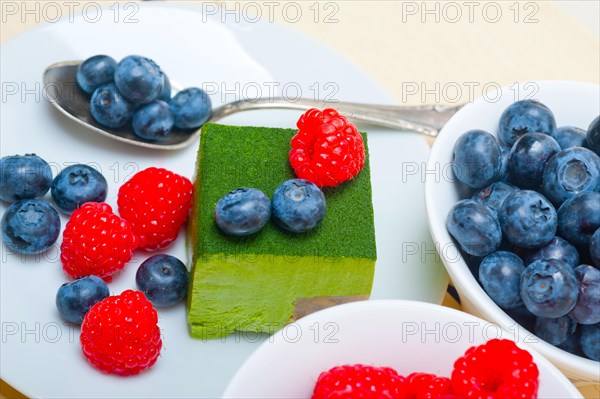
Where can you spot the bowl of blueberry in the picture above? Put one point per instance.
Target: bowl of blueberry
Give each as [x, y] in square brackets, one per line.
[513, 202]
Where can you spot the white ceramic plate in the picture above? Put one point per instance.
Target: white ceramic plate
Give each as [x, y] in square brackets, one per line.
[573, 103]
[405, 335]
[41, 356]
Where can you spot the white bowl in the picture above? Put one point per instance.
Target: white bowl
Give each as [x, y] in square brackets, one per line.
[408, 336]
[573, 103]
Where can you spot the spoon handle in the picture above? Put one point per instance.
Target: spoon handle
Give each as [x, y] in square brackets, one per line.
[425, 119]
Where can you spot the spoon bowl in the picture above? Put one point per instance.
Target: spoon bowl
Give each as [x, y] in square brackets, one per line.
[64, 93]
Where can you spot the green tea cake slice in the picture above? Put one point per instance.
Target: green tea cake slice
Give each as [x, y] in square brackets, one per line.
[264, 281]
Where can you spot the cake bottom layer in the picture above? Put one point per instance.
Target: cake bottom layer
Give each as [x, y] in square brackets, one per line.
[263, 293]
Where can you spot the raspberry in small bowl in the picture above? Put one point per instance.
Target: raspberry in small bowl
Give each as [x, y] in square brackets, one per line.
[398, 348]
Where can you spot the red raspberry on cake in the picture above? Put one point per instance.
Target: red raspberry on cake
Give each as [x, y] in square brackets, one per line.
[497, 369]
[359, 382]
[96, 242]
[120, 334]
[156, 202]
[327, 150]
[427, 386]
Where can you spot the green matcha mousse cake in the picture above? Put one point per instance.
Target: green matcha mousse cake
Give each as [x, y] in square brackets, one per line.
[262, 282]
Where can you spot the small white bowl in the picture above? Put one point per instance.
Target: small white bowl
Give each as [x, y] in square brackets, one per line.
[573, 103]
[408, 336]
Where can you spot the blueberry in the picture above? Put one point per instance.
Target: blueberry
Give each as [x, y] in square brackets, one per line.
[163, 279]
[153, 121]
[593, 136]
[504, 174]
[109, 108]
[191, 108]
[243, 211]
[477, 158]
[30, 226]
[95, 71]
[74, 299]
[587, 309]
[549, 288]
[558, 249]
[570, 172]
[523, 317]
[524, 117]
[555, 331]
[569, 136]
[523, 253]
[298, 205]
[590, 341]
[527, 219]
[579, 218]
[165, 94]
[595, 248]
[76, 185]
[494, 195]
[475, 227]
[139, 79]
[500, 275]
[528, 159]
[23, 177]
[571, 344]
[472, 262]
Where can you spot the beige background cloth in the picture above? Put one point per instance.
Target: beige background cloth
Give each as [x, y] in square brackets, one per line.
[437, 51]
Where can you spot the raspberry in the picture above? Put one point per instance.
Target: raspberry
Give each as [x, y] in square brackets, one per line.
[327, 149]
[359, 382]
[120, 334]
[96, 242]
[427, 386]
[156, 202]
[497, 369]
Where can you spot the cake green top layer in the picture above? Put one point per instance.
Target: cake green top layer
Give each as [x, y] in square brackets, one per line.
[231, 157]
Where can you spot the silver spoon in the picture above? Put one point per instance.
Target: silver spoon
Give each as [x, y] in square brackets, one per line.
[63, 92]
